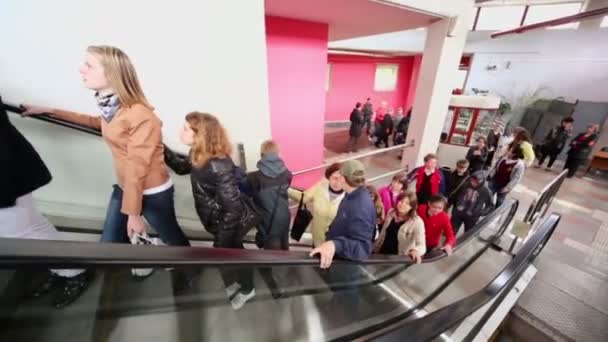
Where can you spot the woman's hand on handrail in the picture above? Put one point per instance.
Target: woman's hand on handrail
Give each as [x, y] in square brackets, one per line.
[35, 110]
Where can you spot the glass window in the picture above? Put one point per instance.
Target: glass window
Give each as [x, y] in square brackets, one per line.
[484, 124]
[604, 22]
[386, 77]
[328, 77]
[500, 18]
[463, 126]
[540, 13]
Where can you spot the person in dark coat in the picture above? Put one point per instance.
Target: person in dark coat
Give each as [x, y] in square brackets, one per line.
[474, 201]
[268, 188]
[356, 128]
[22, 172]
[385, 129]
[580, 148]
[554, 142]
[493, 139]
[403, 124]
[456, 181]
[478, 155]
[221, 207]
[368, 112]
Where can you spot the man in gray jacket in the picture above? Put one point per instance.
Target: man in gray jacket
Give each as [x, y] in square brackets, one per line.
[474, 201]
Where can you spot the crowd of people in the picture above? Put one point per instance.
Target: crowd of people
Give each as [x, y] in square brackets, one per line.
[381, 125]
[350, 219]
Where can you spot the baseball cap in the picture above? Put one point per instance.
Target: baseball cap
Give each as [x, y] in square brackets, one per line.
[353, 169]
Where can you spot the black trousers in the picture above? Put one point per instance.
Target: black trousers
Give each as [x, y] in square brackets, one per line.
[352, 144]
[458, 219]
[572, 164]
[229, 238]
[547, 152]
[382, 139]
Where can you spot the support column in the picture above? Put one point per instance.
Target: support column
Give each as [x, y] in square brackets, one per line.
[440, 60]
[593, 23]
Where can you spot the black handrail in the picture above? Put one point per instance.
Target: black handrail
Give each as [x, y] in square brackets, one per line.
[47, 117]
[437, 322]
[539, 207]
[63, 254]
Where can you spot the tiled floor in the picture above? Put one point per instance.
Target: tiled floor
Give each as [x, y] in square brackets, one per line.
[570, 291]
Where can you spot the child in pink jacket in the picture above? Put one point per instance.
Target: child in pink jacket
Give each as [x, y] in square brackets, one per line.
[389, 193]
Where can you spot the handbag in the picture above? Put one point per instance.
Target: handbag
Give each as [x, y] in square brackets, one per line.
[301, 221]
[144, 239]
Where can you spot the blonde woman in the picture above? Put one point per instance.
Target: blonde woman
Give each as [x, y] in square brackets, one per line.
[403, 230]
[218, 201]
[133, 132]
[325, 198]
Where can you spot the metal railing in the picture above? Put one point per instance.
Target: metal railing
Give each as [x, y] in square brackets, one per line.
[539, 207]
[355, 157]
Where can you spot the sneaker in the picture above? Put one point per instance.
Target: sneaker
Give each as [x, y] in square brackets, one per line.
[74, 287]
[537, 166]
[547, 169]
[240, 299]
[232, 289]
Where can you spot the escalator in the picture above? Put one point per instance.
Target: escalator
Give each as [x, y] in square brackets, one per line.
[384, 298]
[347, 302]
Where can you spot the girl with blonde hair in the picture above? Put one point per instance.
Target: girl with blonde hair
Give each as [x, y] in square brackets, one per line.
[133, 132]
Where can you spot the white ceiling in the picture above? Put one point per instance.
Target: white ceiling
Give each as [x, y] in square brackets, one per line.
[352, 18]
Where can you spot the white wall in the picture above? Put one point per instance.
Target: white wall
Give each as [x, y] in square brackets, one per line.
[568, 63]
[190, 55]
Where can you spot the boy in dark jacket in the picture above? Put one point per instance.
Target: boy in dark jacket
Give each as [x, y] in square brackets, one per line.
[268, 186]
[473, 202]
[456, 180]
[478, 155]
[351, 233]
[554, 142]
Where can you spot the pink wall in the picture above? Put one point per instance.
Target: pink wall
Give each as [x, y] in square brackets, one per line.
[411, 94]
[352, 80]
[297, 67]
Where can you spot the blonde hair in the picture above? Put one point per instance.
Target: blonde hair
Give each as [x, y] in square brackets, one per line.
[210, 138]
[269, 146]
[121, 75]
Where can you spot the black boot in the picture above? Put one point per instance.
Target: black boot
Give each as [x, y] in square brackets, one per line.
[73, 289]
[45, 286]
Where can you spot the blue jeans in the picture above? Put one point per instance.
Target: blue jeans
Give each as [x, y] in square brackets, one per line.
[159, 211]
[500, 196]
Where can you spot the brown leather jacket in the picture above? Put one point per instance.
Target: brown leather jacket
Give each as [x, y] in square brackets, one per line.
[135, 140]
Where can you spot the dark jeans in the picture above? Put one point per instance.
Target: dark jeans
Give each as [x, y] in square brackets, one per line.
[243, 276]
[545, 152]
[572, 164]
[458, 218]
[352, 144]
[159, 211]
[500, 196]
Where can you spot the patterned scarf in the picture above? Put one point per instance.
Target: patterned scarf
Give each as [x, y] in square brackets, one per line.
[109, 105]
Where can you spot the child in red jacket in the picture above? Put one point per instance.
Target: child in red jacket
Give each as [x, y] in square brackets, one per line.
[436, 223]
